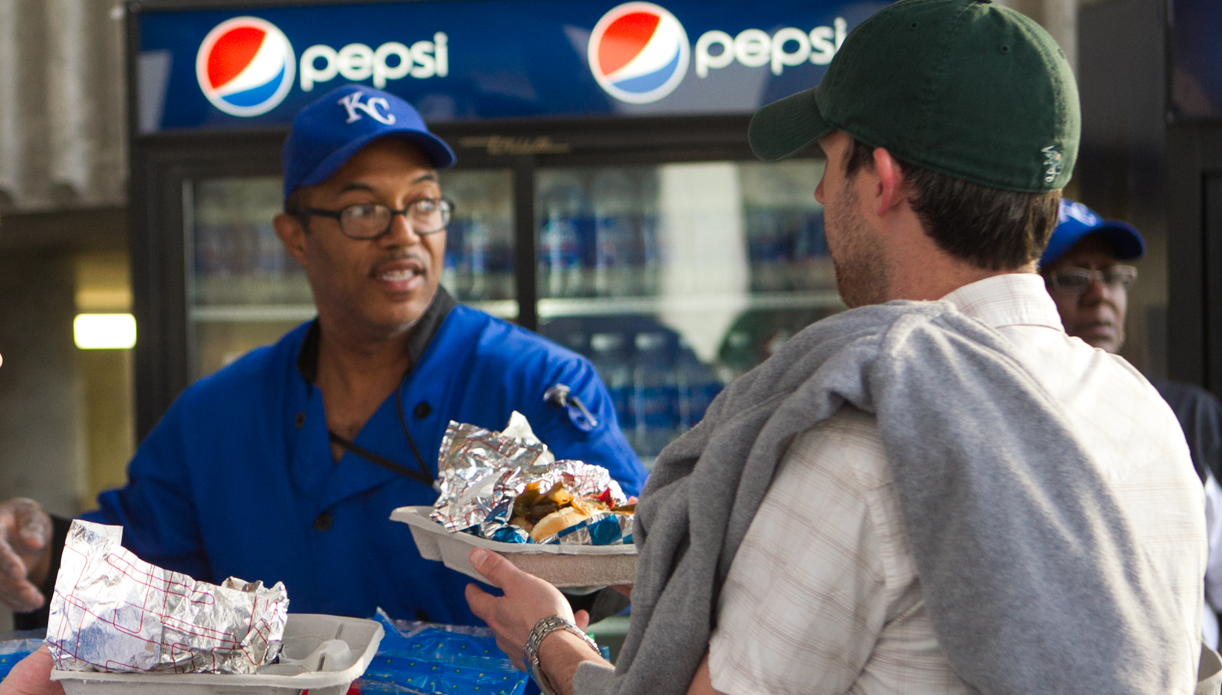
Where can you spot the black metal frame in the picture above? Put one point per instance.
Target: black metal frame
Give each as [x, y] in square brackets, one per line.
[1194, 198]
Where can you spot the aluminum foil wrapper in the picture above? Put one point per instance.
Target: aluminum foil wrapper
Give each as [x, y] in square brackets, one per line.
[113, 612]
[481, 473]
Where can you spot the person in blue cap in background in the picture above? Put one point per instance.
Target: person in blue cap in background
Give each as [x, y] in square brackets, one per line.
[1085, 271]
[1081, 266]
[286, 465]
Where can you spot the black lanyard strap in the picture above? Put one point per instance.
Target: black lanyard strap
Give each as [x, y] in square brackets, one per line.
[379, 460]
[423, 476]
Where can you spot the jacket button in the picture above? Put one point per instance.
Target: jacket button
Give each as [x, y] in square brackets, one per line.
[323, 522]
[423, 410]
[299, 420]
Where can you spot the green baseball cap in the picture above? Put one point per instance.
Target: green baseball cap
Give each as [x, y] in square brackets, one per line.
[966, 88]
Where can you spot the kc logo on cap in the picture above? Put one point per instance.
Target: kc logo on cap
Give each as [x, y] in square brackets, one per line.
[352, 103]
[333, 128]
[1079, 212]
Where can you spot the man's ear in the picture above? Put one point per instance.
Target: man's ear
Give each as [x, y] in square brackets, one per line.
[293, 235]
[892, 188]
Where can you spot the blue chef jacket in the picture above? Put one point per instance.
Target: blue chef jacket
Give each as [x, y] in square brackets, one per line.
[238, 477]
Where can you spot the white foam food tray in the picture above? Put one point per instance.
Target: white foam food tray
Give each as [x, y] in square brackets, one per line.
[302, 631]
[565, 566]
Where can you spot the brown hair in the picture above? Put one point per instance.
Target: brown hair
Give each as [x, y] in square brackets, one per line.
[990, 227]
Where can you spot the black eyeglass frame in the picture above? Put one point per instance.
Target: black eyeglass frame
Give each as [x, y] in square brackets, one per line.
[1108, 277]
[447, 211]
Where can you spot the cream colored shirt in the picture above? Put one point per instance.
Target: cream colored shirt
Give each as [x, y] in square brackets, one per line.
[823, 596]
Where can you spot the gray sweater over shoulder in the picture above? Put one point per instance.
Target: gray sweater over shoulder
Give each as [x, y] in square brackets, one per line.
[1028, 564]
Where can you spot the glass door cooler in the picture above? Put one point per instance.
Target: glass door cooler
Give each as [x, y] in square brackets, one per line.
[605, 192]
[675, 278]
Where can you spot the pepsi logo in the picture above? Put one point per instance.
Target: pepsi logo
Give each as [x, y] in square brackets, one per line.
[245, 66]
[639, 52]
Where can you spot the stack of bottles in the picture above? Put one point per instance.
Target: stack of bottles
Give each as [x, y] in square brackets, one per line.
[659, 386]
[598, 234]
[784, 228]
[479, 240]
[238, 259]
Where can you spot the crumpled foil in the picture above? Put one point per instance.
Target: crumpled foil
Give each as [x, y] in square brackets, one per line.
[113, 612]
[481, 472]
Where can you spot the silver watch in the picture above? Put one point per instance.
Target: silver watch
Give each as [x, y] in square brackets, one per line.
[530, 652]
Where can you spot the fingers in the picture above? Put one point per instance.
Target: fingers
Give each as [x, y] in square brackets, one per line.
[484, 606]
[33, 526]
[25, 527]
[21, 598]
[496, 569]
[16, 591]
[482, 603]
[11, 564]
[582, 619]
[25, 534]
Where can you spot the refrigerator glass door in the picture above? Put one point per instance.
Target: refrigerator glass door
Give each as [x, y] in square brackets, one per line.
[674, 279]
[244, 290]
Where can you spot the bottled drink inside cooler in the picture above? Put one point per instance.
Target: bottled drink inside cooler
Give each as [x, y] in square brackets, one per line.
[244, 289]
[479, 240]
[597, 233]
[673, 279]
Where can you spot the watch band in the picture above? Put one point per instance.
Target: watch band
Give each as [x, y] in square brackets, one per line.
[530, 652]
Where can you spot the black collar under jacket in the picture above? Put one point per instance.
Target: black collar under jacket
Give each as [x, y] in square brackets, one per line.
[417, 342]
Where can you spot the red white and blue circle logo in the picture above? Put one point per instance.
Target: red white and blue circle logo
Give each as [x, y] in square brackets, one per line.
[245, 66]
[639, 52]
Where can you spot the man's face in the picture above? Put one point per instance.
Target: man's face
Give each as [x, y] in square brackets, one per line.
[378, 287]
[857, 255]
[1097, 315]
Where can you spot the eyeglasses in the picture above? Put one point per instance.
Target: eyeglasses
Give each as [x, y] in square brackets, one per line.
[371, 220]
[1078, 280]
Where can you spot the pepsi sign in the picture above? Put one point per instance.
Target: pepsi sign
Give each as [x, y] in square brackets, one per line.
[638, 52]
[459, 60]
[245, 66]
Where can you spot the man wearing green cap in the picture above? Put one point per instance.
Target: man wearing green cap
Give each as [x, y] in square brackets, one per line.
[938, 491]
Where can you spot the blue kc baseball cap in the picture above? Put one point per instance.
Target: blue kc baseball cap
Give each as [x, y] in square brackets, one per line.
[1078, 221]
[332, 129]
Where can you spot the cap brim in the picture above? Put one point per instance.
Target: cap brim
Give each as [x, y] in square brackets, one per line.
[437, 151]
[786, 127]
[1123, 237]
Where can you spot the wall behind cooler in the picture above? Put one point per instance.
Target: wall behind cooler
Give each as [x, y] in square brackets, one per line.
[1121, 171]
[62, 131]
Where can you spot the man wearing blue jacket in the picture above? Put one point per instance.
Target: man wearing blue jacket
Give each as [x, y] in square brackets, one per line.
[285, 466]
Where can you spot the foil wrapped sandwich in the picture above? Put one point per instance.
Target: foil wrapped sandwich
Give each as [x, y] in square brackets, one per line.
[113, 612]
[507, 486]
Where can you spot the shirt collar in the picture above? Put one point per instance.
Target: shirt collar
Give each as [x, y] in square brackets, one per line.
[421, 335]
[1010, 299]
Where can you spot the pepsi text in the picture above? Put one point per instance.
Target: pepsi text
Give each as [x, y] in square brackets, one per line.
[357, 62]
[754, 48]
